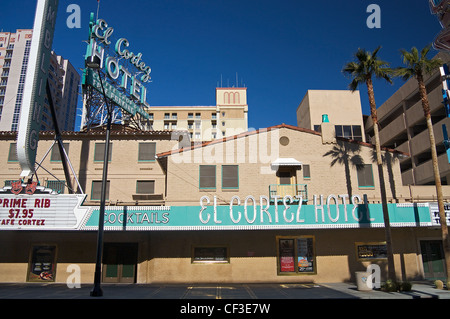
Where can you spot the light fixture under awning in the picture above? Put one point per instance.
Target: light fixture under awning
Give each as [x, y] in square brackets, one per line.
[291, 162]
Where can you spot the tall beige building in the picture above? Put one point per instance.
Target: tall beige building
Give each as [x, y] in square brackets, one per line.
[205, 123]
[63, 78]
[342, 107]
[403, 127]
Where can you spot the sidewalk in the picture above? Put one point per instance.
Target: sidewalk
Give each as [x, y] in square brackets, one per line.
[420, 290]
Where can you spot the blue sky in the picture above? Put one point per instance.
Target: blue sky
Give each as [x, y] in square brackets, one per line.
[278, 49]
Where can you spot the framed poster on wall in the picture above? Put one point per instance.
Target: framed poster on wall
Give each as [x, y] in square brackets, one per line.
[42, 263]
[371, 251]
[296, 255]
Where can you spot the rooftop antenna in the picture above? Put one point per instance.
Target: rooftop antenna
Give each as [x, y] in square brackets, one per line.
[98, 8]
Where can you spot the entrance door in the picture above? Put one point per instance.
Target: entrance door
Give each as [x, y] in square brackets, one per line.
[119, 262]
[433, 259]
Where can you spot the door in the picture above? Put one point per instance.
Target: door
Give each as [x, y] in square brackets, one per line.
[433, 259]
[119, 262]
[286, 182]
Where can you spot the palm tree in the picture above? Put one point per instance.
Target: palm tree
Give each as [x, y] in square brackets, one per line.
[417, 66]
[366, 66]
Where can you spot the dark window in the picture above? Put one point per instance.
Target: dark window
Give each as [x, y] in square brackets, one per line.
[12, 156]
[365, 176]
[210, 255]
[100, 152]
[145, 187]
[56, 156]
[306, 171]
[57, 186]
[97, 190]
[230, 176]
[147, 152]
[285, 178]
[207, 176]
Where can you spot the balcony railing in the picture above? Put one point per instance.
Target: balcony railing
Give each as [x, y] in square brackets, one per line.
[282, 190]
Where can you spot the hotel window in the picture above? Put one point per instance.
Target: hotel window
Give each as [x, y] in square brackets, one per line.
[57, 186]
[190, 115]
[167, 116]
[99, 152]
[296, 255]
[147, 152]
[197, 115]
[306, 171]
[365, 176]
[97, 190]
[230, 176]
[12, 156]
[349, 131]
[197, 125]
[145, 187]
[214, 116]
[150, 116]
[197, 136]
[56, 156]
[174, 116]
[207, 176]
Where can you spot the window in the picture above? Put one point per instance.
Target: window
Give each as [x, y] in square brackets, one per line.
[97, 190]
[57, 186]
[166, 116]
[230, 176]
[371, 251]
[147, 152]
[197, 115]
[295, 255]
[207, 176]
[12, 156]
[190, 115]
[306, 171]
[56, 156]
[214, 116]
[348, 131]
[210, 254]
[99, 152]
[365, 176]
[174, 116]
[145, 187]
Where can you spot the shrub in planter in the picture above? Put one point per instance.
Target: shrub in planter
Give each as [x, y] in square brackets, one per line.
[405, 286]
[439, 284]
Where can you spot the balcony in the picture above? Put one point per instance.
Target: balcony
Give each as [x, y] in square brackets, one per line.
[282, 190]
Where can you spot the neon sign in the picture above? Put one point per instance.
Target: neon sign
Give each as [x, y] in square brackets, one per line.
[132, 84]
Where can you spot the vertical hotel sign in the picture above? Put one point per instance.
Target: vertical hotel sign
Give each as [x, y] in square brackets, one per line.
[35, 84]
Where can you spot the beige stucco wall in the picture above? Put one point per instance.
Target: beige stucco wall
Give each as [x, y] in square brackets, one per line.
[165, 257]
[255, 152]
[343, 107]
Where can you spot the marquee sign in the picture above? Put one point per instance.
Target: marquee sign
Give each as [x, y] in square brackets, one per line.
[65, 212]
[34, 92]
[131, 94]
[41, 212]
[256, 217]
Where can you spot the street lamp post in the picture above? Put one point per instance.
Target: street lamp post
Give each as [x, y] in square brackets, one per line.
[93, 62]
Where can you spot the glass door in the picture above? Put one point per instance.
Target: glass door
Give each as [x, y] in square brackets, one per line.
[433, 259]
[119, 262]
